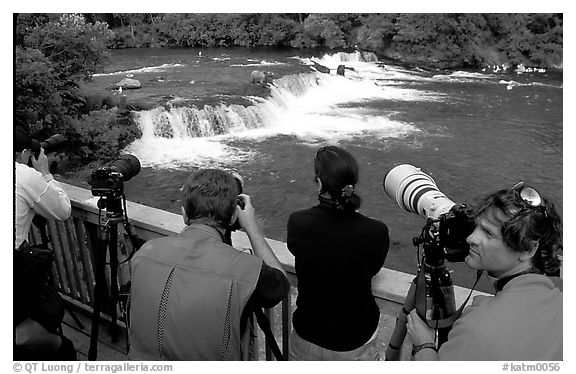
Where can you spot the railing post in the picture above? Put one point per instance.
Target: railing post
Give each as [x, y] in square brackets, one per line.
[268, 313]
[286, 327]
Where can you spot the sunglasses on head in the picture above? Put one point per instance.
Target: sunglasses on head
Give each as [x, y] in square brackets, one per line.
[528, 196]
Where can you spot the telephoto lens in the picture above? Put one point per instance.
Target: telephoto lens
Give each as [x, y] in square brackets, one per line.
[127, 165]
[416, 192]
[50, 145]
[53, 142]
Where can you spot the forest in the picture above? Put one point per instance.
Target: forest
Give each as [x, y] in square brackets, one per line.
[55, 53]
[439, 40]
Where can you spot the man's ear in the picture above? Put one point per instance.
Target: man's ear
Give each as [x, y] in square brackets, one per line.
[234, 217]
[524, 256]
[319, 183]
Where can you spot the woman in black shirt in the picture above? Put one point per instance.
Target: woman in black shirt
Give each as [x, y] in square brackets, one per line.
[337, 252]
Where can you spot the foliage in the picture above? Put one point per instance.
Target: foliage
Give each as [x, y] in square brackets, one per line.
[76, 49]
[323, 31]
[36, 89]
[53, 54]
[101, 135]
[441, 40]
[376, 32]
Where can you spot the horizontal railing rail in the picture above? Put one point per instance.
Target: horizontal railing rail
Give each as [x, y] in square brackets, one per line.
[75, 243]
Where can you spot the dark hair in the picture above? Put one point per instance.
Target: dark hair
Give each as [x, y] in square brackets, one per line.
[212, 194]
[527, 224]
[338, 171]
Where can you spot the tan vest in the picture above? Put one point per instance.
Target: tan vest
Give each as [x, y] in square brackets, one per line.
[187, 295]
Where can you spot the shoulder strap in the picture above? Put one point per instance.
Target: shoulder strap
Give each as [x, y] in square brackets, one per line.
[265, 327]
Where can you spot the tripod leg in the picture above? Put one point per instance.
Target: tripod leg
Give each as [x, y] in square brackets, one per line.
[394, 350]
[74, 317]
[98, 293]
[113, 247]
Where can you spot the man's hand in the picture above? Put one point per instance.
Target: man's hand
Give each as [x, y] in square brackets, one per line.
[247, 216]
[418, 330]
[40, 163]
[249, 222]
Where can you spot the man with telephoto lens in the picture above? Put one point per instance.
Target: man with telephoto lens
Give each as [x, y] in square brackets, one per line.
[37, 307]
[192, 295]
[517, 240]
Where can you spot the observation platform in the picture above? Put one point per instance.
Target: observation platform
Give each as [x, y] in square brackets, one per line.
[75, 243]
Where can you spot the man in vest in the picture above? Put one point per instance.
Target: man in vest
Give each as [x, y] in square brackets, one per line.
[192, 295]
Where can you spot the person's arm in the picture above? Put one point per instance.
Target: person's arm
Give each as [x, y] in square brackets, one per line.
[261, 249]
[50, 200]
[421, 334]
[30, 334]
[382, 242]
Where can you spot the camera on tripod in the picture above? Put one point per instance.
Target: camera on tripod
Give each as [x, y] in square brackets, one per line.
[443, 237]
[108, 180]
[447, 224]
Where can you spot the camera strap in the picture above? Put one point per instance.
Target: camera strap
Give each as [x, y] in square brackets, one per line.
[270, 340]
[420, 302]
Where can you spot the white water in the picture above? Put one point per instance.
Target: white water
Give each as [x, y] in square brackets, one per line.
[313, 107]
[149, 69]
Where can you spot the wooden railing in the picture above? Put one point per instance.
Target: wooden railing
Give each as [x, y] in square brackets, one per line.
[75, 243]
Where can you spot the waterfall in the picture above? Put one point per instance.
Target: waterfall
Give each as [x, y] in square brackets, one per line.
[171, 122]
[311, 106]
[191, 122]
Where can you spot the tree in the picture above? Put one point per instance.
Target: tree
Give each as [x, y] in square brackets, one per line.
[376, 32]
[53, 54]
[322, 31]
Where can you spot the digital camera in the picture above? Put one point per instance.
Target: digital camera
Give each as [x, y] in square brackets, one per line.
[109, 179]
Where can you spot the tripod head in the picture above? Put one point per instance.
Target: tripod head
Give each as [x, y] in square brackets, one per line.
[113, 207]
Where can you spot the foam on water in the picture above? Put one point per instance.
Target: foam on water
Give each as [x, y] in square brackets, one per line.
[261, 63]
[148, 69]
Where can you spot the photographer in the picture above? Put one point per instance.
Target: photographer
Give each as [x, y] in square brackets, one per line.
[517, 238]
[192, 295]
[337, 251]
[37, 309]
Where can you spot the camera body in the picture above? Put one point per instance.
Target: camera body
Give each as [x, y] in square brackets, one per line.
[240, 183]
[108, 180]
[447, 224]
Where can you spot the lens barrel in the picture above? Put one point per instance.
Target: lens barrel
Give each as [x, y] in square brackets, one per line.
[416, 192]
[49, 145]
[127, 165]
[53, 142]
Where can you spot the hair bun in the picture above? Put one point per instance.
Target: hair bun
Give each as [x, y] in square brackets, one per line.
[347, 190]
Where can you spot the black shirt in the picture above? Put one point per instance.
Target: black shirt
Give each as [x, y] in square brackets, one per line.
[337, 253]
[271, 288]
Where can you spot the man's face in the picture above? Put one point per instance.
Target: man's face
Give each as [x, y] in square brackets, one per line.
[487, 248]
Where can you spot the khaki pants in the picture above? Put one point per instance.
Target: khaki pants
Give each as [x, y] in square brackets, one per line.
[302, 350]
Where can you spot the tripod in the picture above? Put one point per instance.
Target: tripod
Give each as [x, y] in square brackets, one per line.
[108, 242]
[431, 293]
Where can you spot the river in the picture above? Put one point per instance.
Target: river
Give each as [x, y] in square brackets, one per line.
[472, 131]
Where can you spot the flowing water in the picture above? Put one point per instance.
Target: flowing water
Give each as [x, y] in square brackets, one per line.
[472, 131]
